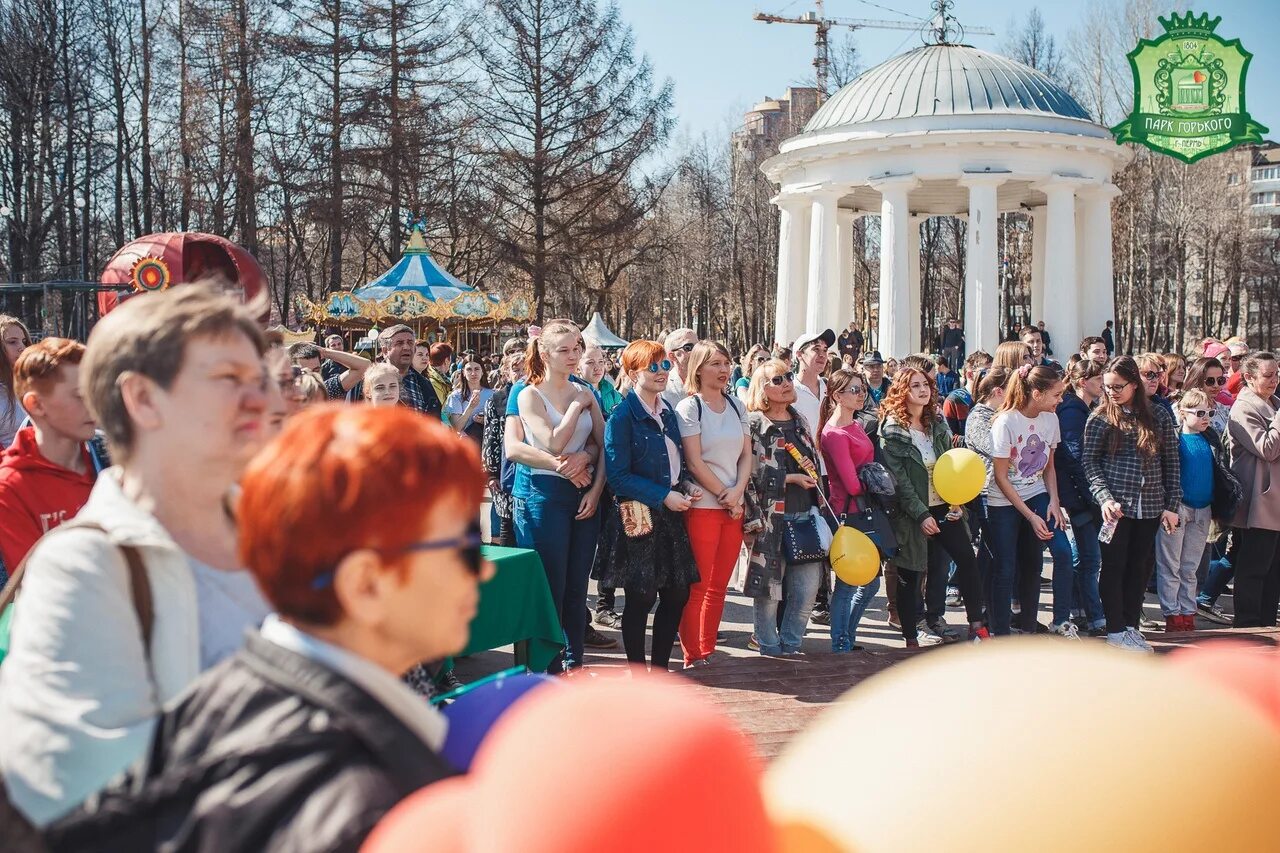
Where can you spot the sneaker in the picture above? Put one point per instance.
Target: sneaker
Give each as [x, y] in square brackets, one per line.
[1147, 624]
[1100, 631]
[595, 640]
[925, 638]
[1172, 624]
[1213, 613]
[1188, 622]
[447, 682]
[753, 643]
[1067, 630]
[953, 597]
[1138, 641]
[945, 631]
[1120, 641]
[979, 634]
[821, 617]
[608, 619]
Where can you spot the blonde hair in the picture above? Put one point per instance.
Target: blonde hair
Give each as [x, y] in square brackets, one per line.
[312, 387]
[702, 352]
[1012, 354]
[535, 367]
[375, 373]
[756, 399]
[1195, 397]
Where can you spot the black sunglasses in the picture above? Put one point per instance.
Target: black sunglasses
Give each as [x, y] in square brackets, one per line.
[686, 348]
[783, 377]
[1150, 374]
[467, 545]
[1220, 380]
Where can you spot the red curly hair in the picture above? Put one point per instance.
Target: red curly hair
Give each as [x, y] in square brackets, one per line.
[377, 472]
[895, 399]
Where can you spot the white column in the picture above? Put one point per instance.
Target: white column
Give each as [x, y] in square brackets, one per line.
[1038, 226]
[844, 258]
[1061, 285]
[895, 307]
[793, 264]
[982, 267]
[1097, 294]
[916, 310]
[824, 258]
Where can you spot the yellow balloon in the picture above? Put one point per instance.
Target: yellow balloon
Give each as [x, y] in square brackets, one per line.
[959, 475]
[1036, 704]
[854, 557]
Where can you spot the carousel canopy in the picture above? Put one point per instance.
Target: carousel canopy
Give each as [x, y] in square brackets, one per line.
[415, 290]
[598, 333]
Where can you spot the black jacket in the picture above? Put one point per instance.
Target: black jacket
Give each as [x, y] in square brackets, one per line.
[268, 751]
[1073, 486]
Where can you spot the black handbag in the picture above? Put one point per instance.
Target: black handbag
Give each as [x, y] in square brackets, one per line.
[801, 541]
[868, 515]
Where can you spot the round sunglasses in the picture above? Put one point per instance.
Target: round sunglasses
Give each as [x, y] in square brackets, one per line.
[657, 366]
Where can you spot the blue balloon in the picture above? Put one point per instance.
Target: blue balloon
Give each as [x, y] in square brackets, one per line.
[471, 716]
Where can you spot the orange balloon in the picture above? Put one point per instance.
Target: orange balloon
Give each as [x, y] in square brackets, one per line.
[676, 775]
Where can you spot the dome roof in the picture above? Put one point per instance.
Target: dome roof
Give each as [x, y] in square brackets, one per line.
[946, 80]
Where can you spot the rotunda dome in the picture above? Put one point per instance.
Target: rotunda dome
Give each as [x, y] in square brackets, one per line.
[950, 87]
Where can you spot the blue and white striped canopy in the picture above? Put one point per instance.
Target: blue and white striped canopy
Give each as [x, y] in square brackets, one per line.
[417, 271]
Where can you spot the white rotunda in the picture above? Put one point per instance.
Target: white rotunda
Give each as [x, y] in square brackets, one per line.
[946, 129]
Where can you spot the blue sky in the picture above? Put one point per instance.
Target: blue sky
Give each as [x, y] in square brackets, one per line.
[723, 62]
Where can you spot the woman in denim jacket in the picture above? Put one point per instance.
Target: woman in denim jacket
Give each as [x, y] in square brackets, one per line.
[645, 469]
[785, 492]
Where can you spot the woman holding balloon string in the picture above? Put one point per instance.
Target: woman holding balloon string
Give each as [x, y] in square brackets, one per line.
[846, 447]
[1022, 499]
[914, 436]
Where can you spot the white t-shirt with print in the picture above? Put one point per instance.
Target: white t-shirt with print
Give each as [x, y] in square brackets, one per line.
[1027, 443]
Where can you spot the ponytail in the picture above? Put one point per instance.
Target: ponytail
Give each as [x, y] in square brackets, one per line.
[1025, 380]
[534, 369]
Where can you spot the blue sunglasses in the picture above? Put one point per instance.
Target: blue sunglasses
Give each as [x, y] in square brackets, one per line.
[660, 365]
[468, 546]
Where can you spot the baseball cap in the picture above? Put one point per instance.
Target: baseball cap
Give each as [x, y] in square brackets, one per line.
[827, 336]
[872, 357]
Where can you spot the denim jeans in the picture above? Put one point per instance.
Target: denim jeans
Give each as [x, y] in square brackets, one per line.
[1221, 571]
[1177, 558]
[848, 603]
[800, 584]
[1087, 560]
[1017, 553]
[545, 522]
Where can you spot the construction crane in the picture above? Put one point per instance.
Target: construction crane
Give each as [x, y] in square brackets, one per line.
[942, 25]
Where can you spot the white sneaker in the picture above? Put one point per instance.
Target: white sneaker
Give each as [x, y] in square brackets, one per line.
[928, 638]
[1067, 630]
[1120, 641]
[1139, 642]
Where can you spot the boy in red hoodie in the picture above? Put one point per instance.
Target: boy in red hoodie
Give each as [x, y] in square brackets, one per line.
[47, 473]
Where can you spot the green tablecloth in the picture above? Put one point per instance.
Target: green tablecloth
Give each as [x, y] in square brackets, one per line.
[516, 607]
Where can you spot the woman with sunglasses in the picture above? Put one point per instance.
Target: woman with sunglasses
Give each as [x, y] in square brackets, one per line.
[1151, 368]
[717, 450]
[779, 577]
[644, 549]
[554, 514]
[1131, 459]
[308, 726]
[1208, 375]
[914, 434]
[846, 447]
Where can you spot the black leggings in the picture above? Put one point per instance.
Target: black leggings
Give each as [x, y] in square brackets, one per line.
[953, 538]
[1126, 566]
[635, 616]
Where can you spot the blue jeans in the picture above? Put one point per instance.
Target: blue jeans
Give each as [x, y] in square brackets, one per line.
[545, 522]
[1220, 573]
[848, 603]
[800, 584]
[1017, 553]
[1087, 559]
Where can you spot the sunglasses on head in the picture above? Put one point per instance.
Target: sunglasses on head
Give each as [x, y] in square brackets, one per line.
[467, 545]
[1212, 380]
[660, 365]
[783, 377]
[1199, 413]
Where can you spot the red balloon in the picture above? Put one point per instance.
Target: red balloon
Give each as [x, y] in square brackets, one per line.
[1250, 670]
[676, 775]
[182, 256]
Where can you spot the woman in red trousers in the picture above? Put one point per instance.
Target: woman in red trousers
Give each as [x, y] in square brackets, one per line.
[717, 450]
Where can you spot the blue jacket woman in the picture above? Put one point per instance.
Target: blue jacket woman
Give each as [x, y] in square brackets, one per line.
[644, 548]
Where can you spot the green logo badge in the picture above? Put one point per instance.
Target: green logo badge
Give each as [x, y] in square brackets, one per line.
[1188, 92]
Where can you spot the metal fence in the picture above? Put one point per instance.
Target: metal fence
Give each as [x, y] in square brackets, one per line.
[65, 308]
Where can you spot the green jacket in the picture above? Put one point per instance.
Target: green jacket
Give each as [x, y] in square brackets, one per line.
[609, 396]
[907, 467]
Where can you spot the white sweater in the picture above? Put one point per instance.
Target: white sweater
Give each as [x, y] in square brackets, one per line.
[77, 704]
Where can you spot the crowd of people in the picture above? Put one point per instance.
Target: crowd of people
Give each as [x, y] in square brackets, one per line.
[178, 483]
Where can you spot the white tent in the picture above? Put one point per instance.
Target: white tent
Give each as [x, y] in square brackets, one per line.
[598, 333]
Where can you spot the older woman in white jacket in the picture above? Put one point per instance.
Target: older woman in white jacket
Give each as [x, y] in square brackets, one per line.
[176, 381]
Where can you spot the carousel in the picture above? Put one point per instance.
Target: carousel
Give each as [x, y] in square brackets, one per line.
[419, 293]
